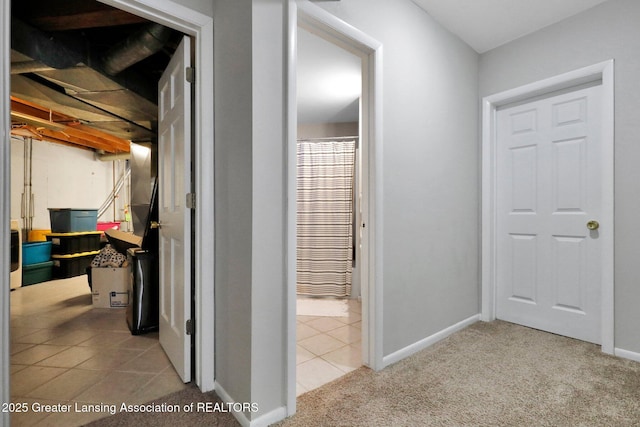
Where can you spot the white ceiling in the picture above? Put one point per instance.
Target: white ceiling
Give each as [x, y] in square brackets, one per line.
[329, 81]
[486, 24]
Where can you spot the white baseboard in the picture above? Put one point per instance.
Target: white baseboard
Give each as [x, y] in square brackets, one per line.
[264, 420]
[429, 341]
[269, 418]
[225, 397]
[626, 354]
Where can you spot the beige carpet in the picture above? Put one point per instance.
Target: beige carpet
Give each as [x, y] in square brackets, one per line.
[489, 374]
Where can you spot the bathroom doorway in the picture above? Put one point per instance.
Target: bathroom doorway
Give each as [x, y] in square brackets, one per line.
[311, 18]
[328, 303]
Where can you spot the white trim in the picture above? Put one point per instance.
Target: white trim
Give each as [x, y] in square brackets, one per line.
[603, 71]
[200, 26]
[204, 256]
[429, 341]
[165, 12]
[291, 118]
[5, 207]
[263, 420]
[270, 417]
[226, 398]
[322, 23]
[626, 354]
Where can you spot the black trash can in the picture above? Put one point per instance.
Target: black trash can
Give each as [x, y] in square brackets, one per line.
[142, 311]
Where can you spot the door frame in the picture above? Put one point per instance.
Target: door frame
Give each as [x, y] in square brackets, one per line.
[199, 26]
[5, 206]
[322, 23]
[604, 72]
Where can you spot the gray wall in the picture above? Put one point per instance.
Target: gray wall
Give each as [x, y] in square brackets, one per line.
[431, 173]
[233, 204]
[86, 185]
[250, 195]
[608, 31]
[269, 284]
[430, 184]
[325, 130]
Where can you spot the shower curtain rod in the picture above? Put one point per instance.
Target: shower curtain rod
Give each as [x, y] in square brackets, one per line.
[329, 138]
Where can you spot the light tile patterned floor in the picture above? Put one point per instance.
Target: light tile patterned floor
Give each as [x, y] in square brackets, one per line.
[63, 351]
[327, 347]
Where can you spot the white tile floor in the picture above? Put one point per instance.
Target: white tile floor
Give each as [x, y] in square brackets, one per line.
[63, 351]
[327, 347]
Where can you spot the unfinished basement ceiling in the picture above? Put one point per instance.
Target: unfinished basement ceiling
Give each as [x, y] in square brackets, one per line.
[90, 65]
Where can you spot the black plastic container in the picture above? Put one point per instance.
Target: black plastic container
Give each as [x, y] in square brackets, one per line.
[142, 311]
[65, 266]
[15, 250]
[73, 243]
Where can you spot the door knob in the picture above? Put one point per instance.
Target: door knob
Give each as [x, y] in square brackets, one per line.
[155, 224]
[593, 225]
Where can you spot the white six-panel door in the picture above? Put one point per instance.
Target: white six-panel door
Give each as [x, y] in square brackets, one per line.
[548, 190]
[174, 171]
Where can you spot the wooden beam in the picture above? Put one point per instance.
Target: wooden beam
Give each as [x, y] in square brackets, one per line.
[82, 20]
[60, 127]
[77, 140]
[63, 15]
[25, 131]
[85, 132]
[20, 107]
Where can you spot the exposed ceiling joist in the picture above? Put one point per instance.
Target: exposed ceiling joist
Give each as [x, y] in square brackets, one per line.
[29, 110]
[81, 137]
[136, 128]
[25, 131]
[75, 14]
[58, 127]
[91, 62]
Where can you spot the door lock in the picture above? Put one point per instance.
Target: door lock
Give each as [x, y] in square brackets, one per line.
[593, 225]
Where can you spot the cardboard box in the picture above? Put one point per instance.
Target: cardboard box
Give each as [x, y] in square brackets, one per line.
[110, 287]
[121, 241]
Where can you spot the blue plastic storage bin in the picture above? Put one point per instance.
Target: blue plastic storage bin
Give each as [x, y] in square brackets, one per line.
[73, 220]
[36, 252]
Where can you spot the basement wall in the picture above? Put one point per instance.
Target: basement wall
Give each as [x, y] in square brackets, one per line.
[62, 177]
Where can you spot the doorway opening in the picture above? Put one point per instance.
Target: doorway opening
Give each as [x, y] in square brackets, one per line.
[314, 20]
[329, 337]
[200, 27]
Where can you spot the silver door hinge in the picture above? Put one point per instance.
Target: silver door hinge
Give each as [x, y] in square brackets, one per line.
[190, 327]
[191, 200]
[191, 74]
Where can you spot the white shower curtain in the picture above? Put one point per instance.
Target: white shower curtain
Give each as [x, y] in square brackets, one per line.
[325, 217]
